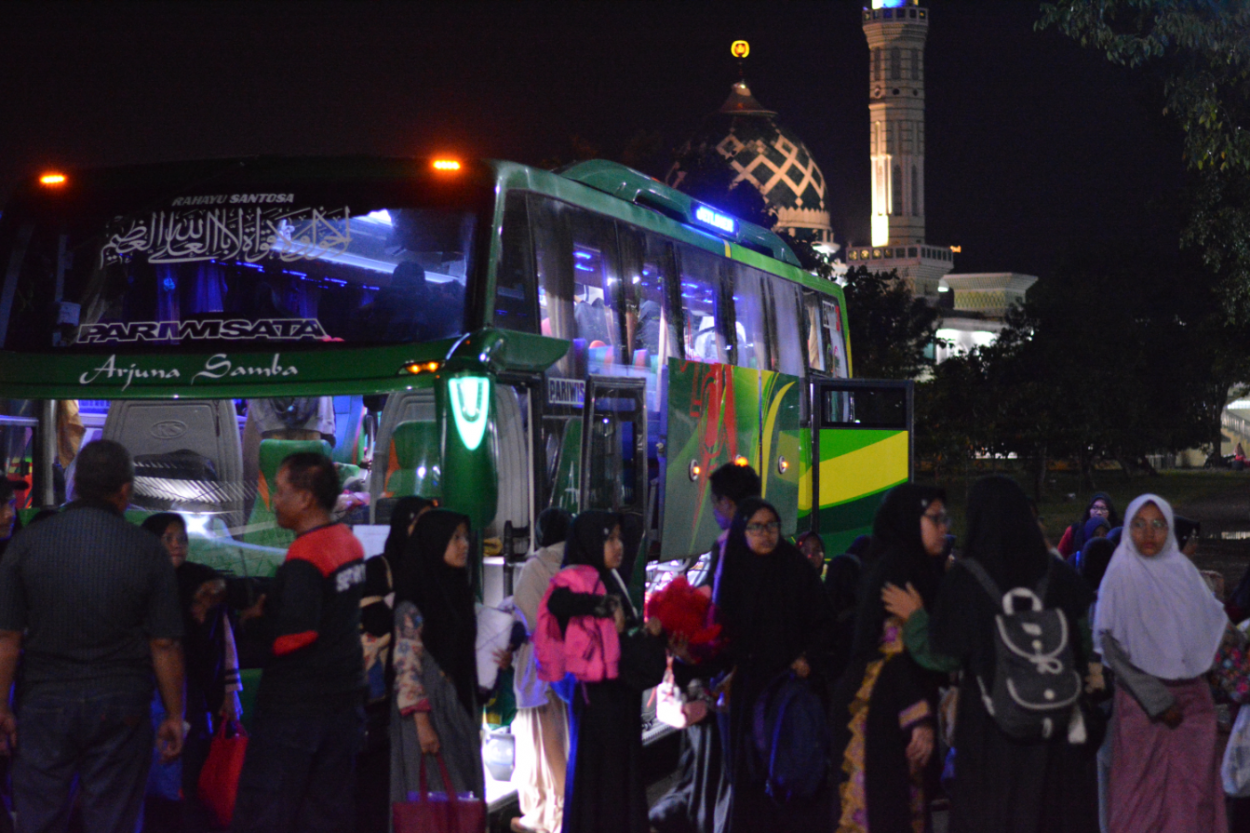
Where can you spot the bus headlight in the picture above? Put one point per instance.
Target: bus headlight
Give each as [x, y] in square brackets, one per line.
[470, 407]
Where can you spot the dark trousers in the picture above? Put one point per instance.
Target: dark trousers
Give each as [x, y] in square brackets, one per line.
[104, 739]
[299, 773]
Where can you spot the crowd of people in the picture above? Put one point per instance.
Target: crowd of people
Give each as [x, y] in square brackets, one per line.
[1023, 687]
[1029, 688]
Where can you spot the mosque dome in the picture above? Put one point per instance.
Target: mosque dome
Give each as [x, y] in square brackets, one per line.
[769, 156]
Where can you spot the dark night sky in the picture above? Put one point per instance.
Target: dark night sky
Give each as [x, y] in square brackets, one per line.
[1034, 145]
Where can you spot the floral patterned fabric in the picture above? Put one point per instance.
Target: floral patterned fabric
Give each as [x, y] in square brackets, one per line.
[853, 791]
[1230, 676]
[409, 651]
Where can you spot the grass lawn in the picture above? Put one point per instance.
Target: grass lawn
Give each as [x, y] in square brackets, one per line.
[1065, 500]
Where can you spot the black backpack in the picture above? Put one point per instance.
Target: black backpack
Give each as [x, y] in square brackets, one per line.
[791, 735]
[1036, 686]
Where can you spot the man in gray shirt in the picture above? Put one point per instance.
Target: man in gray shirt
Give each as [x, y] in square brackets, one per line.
[90, 604]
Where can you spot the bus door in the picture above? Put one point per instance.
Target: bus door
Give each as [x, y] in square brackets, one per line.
[614, 456]
[514, 438]
[862, 447]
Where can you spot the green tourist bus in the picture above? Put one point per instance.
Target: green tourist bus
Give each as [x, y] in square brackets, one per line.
[495, 336]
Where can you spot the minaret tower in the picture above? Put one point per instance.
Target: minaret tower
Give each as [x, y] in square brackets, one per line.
[896, 31]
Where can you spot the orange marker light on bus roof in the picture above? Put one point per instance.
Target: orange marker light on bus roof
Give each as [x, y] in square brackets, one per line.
[416, 368]
[52, 179]
[446, 165]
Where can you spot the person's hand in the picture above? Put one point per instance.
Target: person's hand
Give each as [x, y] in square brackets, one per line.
[618, 616]
[209, 595]
[921, 747]
[899, 602]
[256, 611]
[1172, 717]
[426, 736]
[680, 646]
[801, 667]
[654, 626]
[8, 729]
[503, 658]
[694, 711]
[169, 738]
[1095, 681]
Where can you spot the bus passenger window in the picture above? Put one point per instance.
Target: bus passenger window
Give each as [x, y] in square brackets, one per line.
[811, 331]
[700, 288]
[649, 272]
[786, 326]
[553, 263]
[514, 280]
[835, 339]
[749, 324]
[648, 265]
[598, 296]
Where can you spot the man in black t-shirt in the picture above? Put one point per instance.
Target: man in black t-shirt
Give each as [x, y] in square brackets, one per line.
[90, 604]
[300, 766]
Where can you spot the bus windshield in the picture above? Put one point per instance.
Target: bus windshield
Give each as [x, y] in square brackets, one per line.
[205, 272]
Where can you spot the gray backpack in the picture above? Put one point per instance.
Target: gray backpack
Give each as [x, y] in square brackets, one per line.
[1036, 685]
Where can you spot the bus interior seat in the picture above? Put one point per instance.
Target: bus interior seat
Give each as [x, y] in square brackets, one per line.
[188, 456]
[349, 414]
[262, 526]
[412, 461]
[415, 406]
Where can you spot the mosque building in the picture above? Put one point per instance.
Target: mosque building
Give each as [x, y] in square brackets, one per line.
[762, 152]
[768, 156]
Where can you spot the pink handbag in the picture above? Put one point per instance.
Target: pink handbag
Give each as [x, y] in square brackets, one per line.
[427, 812]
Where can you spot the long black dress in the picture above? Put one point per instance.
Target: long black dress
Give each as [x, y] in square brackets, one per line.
[1003, 785]
[604, 787]
[884, 694]
[773, 610]
[701, 800]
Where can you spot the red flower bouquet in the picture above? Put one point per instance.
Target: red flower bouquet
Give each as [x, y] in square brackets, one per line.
[683, 611]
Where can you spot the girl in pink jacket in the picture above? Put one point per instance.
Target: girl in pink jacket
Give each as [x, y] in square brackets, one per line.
[588, 627]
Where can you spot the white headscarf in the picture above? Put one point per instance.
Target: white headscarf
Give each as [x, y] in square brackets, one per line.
[1158, 608]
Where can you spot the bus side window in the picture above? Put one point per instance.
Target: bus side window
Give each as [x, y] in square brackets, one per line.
[650, 273]
[553, 256]
[700, 290]
[648, 270]
[598, 296]
[514, 278]
[813, 340]
[750, 327]
[786, 327]
[835, 338]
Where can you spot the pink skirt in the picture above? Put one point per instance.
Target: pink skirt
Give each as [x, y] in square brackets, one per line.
[1166, 780]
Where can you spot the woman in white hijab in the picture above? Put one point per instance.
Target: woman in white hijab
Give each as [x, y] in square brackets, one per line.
[1159, 627]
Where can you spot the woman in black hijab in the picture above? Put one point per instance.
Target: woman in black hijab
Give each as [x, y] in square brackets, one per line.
[1073, 538]
[1002, 784]
[884, 710]
[604, 787]
[775, 618]
[435, 707]
[377, 620]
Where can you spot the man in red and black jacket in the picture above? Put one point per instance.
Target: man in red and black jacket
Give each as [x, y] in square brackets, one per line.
[300, 765]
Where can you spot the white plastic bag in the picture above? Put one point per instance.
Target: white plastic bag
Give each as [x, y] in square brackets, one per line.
[669, 701]
[494, 628]
[1235, 770]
